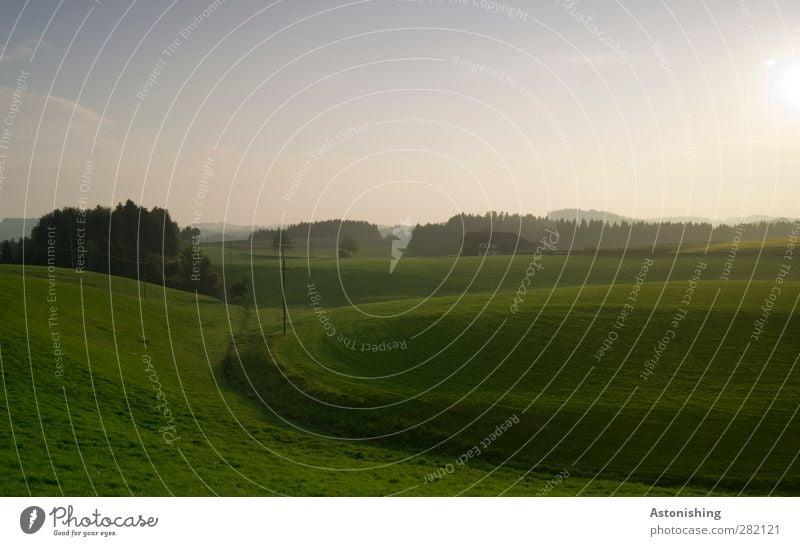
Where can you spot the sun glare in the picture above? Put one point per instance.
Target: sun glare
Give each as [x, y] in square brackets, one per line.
[786, 82]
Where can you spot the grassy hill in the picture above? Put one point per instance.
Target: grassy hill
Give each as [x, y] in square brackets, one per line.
[110, 393]
[717, 413]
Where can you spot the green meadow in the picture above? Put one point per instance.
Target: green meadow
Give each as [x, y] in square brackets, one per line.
[431, 380]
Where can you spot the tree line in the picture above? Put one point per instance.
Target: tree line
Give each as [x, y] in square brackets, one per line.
[132, 241]
[128, 240]
[359, 230]
[438, 239]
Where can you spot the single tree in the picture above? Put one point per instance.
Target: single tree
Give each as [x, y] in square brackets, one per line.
[281, 242]
[238, 291]
[347, 246]
[189, 235]
[196, 272]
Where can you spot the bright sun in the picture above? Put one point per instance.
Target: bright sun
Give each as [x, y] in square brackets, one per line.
[786, 83]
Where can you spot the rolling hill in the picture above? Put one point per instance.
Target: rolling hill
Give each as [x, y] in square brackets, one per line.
[108, 392]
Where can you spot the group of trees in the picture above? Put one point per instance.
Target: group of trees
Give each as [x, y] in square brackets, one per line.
[360, 230]
[446, 238]
[128, 240]
[133, 241]
[282, 242]
[11, 252]
[344, 232]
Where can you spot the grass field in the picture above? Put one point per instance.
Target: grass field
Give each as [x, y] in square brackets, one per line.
[428, 381]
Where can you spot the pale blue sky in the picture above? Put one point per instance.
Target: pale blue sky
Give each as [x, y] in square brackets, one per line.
[433, 107]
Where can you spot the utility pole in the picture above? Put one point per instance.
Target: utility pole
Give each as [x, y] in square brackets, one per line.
[283, 288]
[143, 276]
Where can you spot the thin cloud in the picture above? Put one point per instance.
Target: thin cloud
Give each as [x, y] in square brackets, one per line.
[22, 51]
[85, 121]
[599, 59]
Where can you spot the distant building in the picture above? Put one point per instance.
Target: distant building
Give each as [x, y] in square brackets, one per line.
[487, 249]
[491, 243]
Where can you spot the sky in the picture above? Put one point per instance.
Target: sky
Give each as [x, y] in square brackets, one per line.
[400, 111]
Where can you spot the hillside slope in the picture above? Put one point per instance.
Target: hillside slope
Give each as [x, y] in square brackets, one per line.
[118, 416]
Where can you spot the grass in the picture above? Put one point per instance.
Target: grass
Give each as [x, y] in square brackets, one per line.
[717, 414]
[98, 429]
[311, 413]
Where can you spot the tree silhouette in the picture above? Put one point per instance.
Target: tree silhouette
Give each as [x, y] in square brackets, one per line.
[238, 291]
[6, 256]
[196, 272]
[347, 246]
[281, 242]
[189, 235]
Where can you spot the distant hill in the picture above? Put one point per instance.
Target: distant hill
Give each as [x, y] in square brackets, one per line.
[588, 215]
[613, 218]
[12, 228]
[754, 219]
[681, 219]
[213, 231]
